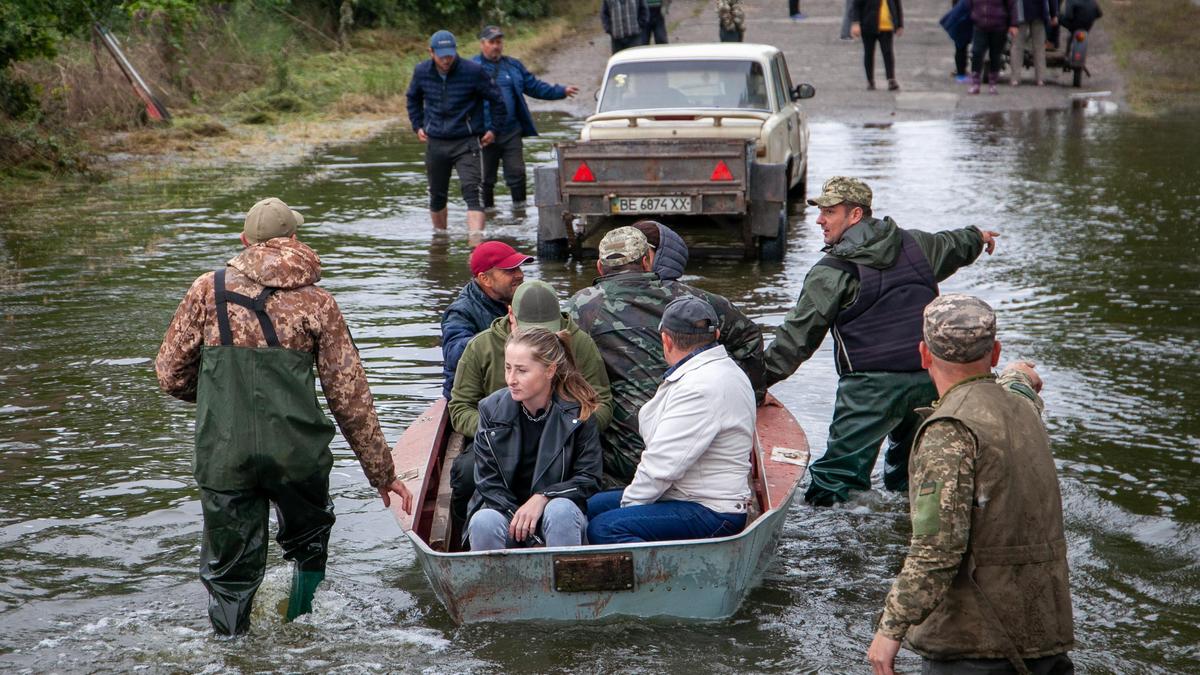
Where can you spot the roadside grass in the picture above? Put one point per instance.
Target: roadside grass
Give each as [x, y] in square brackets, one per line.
[1156, 44]
[251, 75]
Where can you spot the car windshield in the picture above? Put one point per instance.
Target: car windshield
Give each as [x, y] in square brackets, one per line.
[649, 85]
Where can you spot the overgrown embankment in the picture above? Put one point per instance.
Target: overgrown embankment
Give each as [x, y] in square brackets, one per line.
[1157, 45]
[279, 76]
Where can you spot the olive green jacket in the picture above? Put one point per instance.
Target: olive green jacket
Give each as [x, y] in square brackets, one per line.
[481, 372]
[871, 242]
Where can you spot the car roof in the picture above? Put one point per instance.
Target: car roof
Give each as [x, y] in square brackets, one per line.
[704, 50]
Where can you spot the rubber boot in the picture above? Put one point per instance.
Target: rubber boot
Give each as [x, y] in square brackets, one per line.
[304, 587]
[974, 86]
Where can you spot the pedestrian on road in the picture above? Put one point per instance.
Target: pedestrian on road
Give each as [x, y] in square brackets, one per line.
[242, 346]
[515, 82]
[656, 25]
[495, 275]
[870, 290]
[878, 21]
[993, 19]
[445, 106]
[621, 310]
[794, 11]
[623, 20]
[1035, 18]
[731, 21]
[957, 24]
[984, 588]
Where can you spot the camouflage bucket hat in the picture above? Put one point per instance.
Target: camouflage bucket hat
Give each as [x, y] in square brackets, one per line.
[843, 189]
[623, 246]
[959, 328]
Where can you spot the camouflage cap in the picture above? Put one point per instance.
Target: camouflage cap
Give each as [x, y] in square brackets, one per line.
[843, 189]
[959, 328]
[623, 246]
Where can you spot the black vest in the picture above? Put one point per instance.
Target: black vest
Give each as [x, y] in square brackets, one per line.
[881, 329]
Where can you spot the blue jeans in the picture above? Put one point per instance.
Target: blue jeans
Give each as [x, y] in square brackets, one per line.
[561, 525]
[660, 521]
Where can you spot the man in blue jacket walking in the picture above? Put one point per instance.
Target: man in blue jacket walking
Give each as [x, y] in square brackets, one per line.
[445, 106]
[515, 82]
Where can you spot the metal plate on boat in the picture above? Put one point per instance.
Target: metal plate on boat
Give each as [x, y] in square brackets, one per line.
[603, 572]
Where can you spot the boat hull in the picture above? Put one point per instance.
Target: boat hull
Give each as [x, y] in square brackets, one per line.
[695, 579]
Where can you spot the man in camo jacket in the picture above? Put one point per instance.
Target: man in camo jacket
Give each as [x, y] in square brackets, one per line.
[984, 588]
[242, 346]
[621, 311]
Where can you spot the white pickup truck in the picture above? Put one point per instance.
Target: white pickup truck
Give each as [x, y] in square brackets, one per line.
[688, 134]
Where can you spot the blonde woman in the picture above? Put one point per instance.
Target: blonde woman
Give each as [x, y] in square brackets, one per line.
[537, 451]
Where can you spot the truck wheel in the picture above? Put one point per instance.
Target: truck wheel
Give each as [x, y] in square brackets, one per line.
[799, 192]
[552, 249]
[1077, 77]
[771, 249]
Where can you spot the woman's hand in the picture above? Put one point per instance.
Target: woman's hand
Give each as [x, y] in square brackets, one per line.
[524, 521]
[855, 30]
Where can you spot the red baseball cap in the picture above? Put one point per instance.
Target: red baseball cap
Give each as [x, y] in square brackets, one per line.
[498, 254]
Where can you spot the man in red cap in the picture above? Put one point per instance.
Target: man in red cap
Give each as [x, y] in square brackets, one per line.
[495, 275]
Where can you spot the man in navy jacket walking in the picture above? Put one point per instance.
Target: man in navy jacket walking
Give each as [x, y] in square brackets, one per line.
[515, 82]
[445, 106]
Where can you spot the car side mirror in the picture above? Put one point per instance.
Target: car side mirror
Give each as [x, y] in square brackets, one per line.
[803, 91]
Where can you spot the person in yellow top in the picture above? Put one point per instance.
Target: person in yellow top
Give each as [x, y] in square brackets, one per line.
[878, 21]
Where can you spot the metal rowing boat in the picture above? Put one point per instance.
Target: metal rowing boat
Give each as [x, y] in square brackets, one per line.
[700, 578]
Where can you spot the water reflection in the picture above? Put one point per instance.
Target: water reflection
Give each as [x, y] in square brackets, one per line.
[1096, 280]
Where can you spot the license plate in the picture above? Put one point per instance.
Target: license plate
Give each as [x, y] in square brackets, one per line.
[651, 205]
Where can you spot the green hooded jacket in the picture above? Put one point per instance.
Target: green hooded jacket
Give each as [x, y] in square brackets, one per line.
[481, 372]
[872, 242]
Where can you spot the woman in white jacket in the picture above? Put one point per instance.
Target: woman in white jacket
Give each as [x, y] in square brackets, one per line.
[692, 479]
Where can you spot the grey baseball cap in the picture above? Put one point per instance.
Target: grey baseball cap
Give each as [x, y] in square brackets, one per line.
[623, 246]
[959, 328]
[535, 304]
[689, 314]
[490, 33]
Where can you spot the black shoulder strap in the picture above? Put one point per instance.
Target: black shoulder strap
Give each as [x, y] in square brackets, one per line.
[839, 264]
[257, 304]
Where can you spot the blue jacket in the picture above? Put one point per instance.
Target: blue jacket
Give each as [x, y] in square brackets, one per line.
[672, 255]
[470, 313]
[515, 82]
[453, 107]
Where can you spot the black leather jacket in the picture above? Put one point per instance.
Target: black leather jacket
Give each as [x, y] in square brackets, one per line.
[568, 463]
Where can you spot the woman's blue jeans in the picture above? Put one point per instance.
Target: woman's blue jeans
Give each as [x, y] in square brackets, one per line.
[660, 521]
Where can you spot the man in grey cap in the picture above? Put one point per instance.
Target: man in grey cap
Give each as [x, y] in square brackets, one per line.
[446, 98]
[869, 290]
[621, 310]
[985, 587]
[481, 372]
[515, 82]
[691, 480]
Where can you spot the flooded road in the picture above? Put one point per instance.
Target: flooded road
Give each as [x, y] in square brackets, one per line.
[1096, 280]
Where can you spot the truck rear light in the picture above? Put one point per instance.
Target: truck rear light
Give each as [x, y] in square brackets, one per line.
[721, 172]
[584, 174]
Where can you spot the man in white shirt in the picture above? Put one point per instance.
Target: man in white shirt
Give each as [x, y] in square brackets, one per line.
[692, 480]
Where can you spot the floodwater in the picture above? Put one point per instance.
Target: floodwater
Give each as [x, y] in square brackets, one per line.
[1096, 280]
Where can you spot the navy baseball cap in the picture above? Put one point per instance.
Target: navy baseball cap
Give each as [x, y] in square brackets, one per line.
[443, 43]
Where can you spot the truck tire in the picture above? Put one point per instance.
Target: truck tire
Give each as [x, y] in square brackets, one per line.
[552, 249]
[772, 249]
